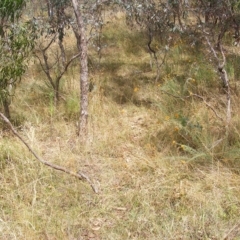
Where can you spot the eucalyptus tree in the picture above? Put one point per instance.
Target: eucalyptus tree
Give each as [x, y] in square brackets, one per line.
[81, 36]
[16, 42]
[158, 20]
[86, 15]
[204, 21]
[57, 17]
[53, 22]
[214, 20]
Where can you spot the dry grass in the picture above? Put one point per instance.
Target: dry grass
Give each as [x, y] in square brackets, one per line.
[150, 188]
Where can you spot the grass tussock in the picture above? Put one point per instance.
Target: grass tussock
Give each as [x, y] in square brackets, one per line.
[163, 161]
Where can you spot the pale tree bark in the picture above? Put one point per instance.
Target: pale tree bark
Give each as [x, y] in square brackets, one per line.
[224, 77]
[84, 84]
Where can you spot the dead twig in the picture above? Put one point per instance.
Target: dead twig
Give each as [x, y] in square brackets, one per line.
[208, 105]
[194, 95]
[78, 175]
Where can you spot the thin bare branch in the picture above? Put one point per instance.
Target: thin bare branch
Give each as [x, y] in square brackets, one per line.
[175, 96]
[50, 43]
[212, 49]
[194, 95]
[45, 69]
[67, 64]
[208, 105]
[78, 175]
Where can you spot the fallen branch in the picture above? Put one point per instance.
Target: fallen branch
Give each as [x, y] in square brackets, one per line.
[78, 175]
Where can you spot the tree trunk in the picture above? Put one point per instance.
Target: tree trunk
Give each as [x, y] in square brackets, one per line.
[57, 93]
[6, 107]
[83, 48]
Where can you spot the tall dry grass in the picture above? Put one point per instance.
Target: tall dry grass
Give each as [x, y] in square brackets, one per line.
[156, 159]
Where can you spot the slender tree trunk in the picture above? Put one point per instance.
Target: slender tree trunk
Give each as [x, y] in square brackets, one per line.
[6, 107]
[224, 77]
[83, 48]
[63, 55]
[56, 95]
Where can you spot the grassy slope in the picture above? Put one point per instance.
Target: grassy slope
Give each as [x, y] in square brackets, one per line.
[152, 155]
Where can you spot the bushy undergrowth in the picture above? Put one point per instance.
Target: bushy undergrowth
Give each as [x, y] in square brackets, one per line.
[165, 164]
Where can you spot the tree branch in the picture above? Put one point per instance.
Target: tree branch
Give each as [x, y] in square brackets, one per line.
[50, 43]
[195, 95]
[67, 65]
[208, 105]
[45, 69]
[224, 76]
[78, 175]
